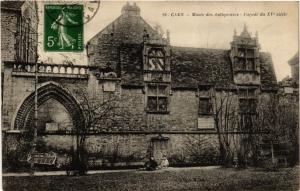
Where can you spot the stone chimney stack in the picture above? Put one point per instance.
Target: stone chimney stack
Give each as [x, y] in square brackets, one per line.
[131, 10]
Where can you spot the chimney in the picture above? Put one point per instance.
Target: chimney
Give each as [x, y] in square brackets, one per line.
[131, 9]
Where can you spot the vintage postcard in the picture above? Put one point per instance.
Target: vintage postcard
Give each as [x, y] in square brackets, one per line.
[150, 95]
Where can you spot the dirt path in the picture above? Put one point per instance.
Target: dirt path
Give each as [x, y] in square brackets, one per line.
[55, 173]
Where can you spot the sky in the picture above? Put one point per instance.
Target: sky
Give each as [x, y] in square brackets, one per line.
[277, 32]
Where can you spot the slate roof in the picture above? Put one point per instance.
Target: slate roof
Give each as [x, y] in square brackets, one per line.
[268, 77]
[191, 67]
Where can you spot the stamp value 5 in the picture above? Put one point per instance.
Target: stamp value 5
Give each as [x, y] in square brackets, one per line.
[63, 28]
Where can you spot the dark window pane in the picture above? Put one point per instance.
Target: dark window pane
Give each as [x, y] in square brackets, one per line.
[250, 65]
[205, 106]
[252, 105]
[246, 93]
[251, 92]
[243, 105]
[243, 93]
[241, 52]
[247, 105]
[162, 90]
[246, 121]
[243, 64]
[152, 90]
[162, 104]
[152, 105]
[250, 53]
[157, 98]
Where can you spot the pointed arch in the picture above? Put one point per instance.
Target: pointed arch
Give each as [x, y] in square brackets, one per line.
[49, 90]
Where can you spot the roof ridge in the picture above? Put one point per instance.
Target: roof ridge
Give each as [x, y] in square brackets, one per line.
[107, 26]
[200, 48]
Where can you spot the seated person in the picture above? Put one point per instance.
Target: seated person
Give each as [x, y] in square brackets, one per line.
[151, 164]
[164, 163]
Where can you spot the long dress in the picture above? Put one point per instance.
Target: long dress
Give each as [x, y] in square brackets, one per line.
[64, 40]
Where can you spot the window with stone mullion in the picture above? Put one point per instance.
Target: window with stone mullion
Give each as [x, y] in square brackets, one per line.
[157, 98]
[246, 61]
[247, 108]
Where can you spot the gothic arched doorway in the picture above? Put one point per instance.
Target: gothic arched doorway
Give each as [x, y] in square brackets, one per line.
[48, 93]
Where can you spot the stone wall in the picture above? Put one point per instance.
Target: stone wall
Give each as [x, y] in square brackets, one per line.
[17, 88]
[129, 139]
[9, 23]
[12, 39]
[180, 148]
[53, 116]
[183, 105]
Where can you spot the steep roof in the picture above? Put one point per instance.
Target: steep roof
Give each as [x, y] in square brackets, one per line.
[191, 67]
[129, 27]
[295, 59]
[268, 77]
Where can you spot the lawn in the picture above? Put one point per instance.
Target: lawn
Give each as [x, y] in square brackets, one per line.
[183, 179]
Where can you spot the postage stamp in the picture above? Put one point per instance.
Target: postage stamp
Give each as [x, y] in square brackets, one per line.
[63, 28]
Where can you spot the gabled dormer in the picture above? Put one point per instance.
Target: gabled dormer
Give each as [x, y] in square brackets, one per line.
[156, 59]
[244, 57]
[156, 73]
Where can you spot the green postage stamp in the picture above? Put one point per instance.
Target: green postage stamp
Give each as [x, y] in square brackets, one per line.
[63, 28]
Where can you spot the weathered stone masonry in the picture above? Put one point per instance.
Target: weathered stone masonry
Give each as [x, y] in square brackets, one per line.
[166, 89]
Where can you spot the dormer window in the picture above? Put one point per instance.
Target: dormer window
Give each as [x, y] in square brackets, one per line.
[245, 52]
[156, 60]
[156, 63]
[245, 60]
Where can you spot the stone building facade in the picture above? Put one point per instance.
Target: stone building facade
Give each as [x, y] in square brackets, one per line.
[169, 92]
[19, 38]
[288, 95]
[19, 35]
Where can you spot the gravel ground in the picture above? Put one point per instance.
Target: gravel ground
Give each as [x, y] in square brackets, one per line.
[218, 179]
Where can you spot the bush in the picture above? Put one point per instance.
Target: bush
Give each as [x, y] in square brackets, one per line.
[13, 162]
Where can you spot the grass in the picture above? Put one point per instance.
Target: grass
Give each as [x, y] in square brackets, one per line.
[183, 179]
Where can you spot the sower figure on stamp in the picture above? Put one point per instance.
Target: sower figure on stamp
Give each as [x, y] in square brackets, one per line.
[59, 24]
